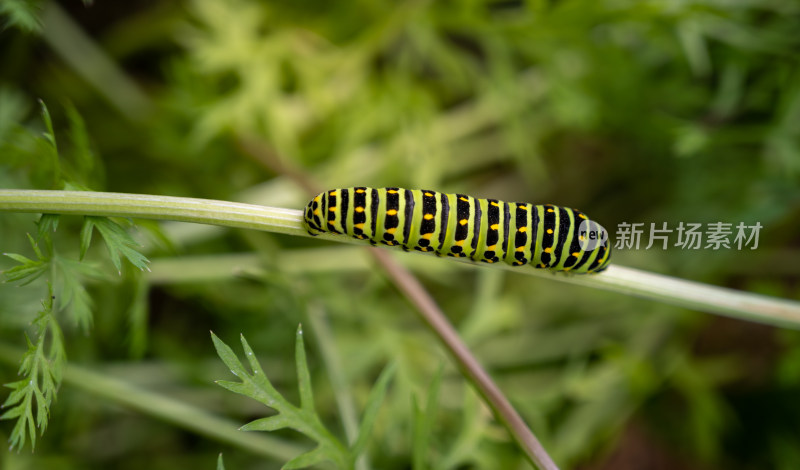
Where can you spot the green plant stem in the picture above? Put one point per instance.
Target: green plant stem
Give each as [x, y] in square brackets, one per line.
[92, 63]
[697, 296]
[202, 211]
[342, 392]
[687, 294]
[174, 411]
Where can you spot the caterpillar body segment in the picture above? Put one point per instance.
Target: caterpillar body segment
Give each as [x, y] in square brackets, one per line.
[457, 225]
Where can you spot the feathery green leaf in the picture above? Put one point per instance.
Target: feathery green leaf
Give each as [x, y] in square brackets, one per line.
[256, 385]
[42, 367]
[303, 376]
[83, 160]
[271, 423]
[117, 240]
[28, 270]
[47, 223]
[71, 294]
[308, 459]
[23, 14]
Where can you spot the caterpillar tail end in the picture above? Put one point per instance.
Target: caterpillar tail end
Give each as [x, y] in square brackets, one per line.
[313, 218]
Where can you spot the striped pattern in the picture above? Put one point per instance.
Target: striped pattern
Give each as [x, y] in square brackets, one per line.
[460, 226]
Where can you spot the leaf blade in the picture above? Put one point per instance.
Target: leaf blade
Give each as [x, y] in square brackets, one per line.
[303, 375]
[376, 397]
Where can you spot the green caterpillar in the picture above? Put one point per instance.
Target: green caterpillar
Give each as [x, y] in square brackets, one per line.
[485, 230]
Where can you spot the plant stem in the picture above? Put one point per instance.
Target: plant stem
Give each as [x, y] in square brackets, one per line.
[696, 296]
[203, 211]
[343, 395]
[92, 63]
[687, 294]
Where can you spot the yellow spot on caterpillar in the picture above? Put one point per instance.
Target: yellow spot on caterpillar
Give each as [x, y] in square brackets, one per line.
[494, 203]
[581, 238]
[576, 254]
[360, 191]
[550, 231]
[523, 229]
[581, 216]
[429, 194]
[542, 265]
[551, 210]
[427, 216]
[494, 226]
[317, 212]
[548, 249]
[330, 222]
[359, 226]
[463, 221]
[359, 209]
[460, 243]
[392, 191]
[520, 248]
[332, 209]
[427, 236]
[491, 248]
[333, 193]
[391, 230]
[464, 199]
[391, 212]
[490, 261]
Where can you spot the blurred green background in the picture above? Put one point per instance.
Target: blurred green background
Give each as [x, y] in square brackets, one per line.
[633, 111]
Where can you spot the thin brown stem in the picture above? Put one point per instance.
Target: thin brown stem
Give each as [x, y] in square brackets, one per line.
[469, 365]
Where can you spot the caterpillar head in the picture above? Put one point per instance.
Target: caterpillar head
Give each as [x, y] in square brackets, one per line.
[314, 220]
[594, 237]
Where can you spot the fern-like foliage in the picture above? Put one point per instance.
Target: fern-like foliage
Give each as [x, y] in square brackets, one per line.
[66, 277]
[304, 419]
[41, 370]
[118, 241]
[28, 270]
[22, 14]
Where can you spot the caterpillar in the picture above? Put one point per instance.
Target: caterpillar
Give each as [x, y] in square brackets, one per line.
[484, 230]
